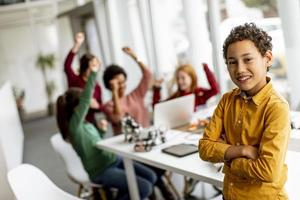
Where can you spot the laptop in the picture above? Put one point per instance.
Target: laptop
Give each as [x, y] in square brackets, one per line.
[175, 112]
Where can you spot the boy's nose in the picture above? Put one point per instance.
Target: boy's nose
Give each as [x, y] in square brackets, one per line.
[240, 67]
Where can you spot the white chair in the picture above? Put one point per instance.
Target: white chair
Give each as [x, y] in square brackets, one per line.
[30, 183]
[73, 164]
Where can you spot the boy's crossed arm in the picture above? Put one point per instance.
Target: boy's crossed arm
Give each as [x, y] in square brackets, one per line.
[271, 153]
[240, 151]
[264, 163]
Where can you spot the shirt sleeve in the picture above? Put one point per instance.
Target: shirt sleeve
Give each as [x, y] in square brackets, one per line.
[210, 147]
[108, 109]
[214, 87]
[156, 95]
[98, 96]
[272, 149]
[144, 84]
[71, 76]
[84, 101]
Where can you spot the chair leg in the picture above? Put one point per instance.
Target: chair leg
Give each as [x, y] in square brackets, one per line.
[79, 190]
[189, 185]
[103, 194]
[96, 195]
[168, 177]
[99, 193]
[185, 185]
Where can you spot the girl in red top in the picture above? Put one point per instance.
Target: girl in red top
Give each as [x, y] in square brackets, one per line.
[79, 80]
[186, 79]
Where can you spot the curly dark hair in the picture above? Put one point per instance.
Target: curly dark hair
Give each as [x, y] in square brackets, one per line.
[110, 72]
[248, 31]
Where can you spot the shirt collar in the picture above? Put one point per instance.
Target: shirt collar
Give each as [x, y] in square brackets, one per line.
[260, 96]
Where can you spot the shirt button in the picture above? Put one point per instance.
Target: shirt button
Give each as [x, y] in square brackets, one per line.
[231, 184]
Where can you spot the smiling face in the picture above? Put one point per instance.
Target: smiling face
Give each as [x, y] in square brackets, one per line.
[184, 81]
[247, 67]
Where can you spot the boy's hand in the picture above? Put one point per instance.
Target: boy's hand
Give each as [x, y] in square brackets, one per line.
[234, 152]
[94, 64]
[129, 52]
[250, 152]
[79, 38]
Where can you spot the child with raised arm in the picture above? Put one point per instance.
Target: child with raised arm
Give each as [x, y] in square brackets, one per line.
[79, 80]
[187, 83]
[250, 127]
[115, 79]
[103, 167]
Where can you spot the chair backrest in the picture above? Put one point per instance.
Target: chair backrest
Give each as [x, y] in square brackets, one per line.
[30, 183]
[70, 158]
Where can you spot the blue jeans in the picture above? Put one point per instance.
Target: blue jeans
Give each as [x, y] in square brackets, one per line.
[115, 177]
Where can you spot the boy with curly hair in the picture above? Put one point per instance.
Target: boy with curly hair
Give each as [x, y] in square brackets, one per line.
[250, 127]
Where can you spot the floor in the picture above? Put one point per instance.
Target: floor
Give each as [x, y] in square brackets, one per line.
[39, 152]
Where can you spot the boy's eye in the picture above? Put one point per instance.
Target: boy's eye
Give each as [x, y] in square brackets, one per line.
[248, 59]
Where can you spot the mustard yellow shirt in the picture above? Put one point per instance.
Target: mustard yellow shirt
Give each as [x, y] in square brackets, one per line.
[261, 121]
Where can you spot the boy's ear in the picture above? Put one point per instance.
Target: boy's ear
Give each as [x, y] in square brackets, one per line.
[269, 58]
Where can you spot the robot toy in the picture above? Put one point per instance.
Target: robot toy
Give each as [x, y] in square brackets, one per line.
[144, 138]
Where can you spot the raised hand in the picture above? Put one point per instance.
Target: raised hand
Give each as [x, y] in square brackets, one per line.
[157, 82]
[129, 52]
[94, 64]
[79, 38]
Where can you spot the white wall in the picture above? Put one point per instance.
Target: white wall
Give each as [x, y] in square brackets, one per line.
[11, 138]
[290, 15]
[19, 47]
[120, 34]
[65, 43]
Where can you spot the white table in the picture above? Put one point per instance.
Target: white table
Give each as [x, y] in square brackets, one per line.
[190, 165]
[292, 184]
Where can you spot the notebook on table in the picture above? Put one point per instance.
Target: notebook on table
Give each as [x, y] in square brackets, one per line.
[181, 150]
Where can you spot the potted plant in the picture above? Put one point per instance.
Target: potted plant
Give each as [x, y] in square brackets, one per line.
[44, 63]
[19, 95]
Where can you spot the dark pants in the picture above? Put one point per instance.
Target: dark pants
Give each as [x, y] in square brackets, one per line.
[115, 177]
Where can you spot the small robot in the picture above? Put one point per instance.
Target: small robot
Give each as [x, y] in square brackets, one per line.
[151, 137]
[144, 139]
[130, 128]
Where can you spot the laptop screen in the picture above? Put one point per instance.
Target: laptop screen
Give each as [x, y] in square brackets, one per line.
[175, 112]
